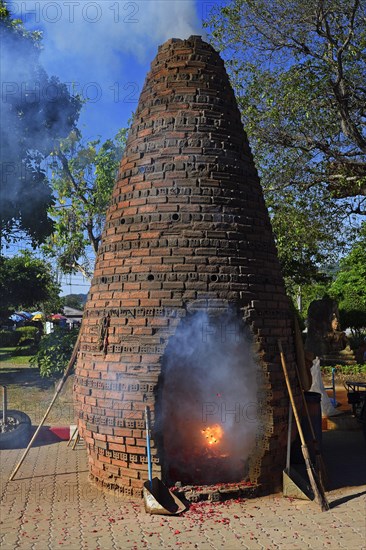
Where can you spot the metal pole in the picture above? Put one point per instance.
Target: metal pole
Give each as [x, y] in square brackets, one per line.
[5, 404]
[334, 400]
[149, 466]
[289, 433]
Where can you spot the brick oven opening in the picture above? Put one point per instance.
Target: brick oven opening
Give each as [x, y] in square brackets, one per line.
[206, 412]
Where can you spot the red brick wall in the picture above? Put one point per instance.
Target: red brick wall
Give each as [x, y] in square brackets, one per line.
[187, 228]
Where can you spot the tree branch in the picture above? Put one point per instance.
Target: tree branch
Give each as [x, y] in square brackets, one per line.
[348, 126]
[66, 167]
[93, 239]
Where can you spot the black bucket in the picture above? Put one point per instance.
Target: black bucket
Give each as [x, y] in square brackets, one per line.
[313, 401]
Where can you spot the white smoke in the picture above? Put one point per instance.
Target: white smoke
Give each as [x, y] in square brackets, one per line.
[210, 378]
[100, 50]
[35, 109]
[106, 28]
[87, 40]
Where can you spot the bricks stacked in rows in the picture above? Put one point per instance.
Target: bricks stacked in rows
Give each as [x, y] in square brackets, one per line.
[187, 228]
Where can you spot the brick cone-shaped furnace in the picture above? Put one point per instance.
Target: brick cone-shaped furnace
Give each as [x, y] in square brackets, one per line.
[187, 301]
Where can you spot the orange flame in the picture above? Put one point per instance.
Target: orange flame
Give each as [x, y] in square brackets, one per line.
[213, 434]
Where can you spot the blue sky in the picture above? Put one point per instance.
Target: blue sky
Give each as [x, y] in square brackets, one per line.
[103, 49]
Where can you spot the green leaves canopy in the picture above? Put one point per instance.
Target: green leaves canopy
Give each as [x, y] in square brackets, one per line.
[349, 286]
[303, 240]
[83, 176]
[54, 351]
[298, 71]
[26, 282]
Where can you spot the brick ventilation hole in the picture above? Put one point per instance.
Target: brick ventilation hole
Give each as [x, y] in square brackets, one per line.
[187, 231]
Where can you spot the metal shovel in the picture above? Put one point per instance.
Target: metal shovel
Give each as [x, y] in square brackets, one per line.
[294, 486]
[158, 499]
[317, 489]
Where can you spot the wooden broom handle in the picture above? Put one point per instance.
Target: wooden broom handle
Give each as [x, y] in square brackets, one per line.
[305, 404]
[289, 389]
[58, 389]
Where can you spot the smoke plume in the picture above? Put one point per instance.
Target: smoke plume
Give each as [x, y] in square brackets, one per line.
[102, 48]
[35, 109]
[99, 50]
[208, 402]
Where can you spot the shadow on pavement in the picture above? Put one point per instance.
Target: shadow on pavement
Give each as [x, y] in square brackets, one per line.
[342, 500]
[25, 376]
[45, 437]
[344, 454]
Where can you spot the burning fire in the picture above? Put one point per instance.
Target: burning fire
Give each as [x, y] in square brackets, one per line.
[213, 434]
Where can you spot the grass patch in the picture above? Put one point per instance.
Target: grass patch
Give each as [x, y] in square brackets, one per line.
[356, 373]
[345, 369]
[32, 394]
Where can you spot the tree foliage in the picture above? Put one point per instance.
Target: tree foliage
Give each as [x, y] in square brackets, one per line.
[304, 239]
[349, 286]
[83, 178]
[76, 301]
[299, 72]
[54, 351]
[27, 282]
[36, 109]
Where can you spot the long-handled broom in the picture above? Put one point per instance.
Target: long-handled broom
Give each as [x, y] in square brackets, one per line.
[318, 491]
[294, 486]
[319, 462]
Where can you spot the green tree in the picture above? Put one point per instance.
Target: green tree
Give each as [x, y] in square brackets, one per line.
[83, 178]
[54, 351]
[313, 291]
[349, 286]
[306, 242]
[35, 110]
[27, 282]
[76, 301]
[298, 72]
[298, 69]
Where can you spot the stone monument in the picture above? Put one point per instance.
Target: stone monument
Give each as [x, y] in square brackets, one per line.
[325, 339]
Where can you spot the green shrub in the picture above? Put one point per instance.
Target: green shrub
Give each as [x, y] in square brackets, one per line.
[28, 336]
[27, 349]
[345, 369]
[9, 338]
[55, 351]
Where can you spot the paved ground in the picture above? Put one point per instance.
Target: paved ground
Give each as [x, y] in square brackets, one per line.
[51, 504]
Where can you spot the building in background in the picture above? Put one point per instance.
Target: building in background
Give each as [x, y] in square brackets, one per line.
[73, 316]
